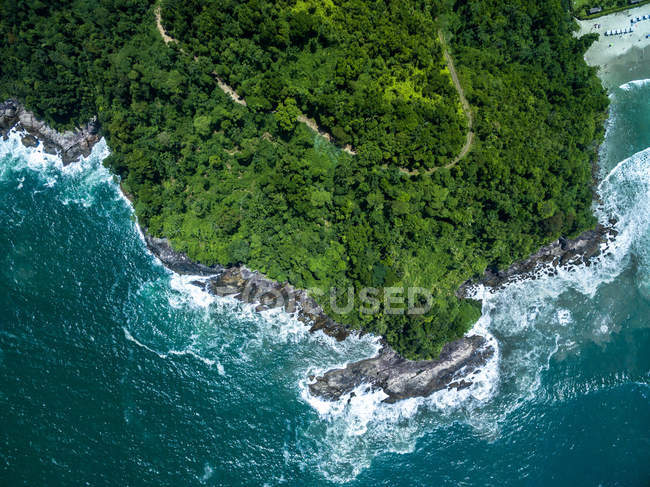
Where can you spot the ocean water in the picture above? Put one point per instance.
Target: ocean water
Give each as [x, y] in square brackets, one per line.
[114, 371]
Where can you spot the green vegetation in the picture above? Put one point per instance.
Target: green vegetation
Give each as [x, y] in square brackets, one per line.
[371, 73]
[581, 7]
[229, 183]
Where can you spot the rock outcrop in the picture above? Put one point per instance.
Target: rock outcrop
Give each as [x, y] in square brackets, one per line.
[253, 287]
[398, 377]
[250, 287]
[70, 145]
[401, 379]
[178, 261]
[563, 252]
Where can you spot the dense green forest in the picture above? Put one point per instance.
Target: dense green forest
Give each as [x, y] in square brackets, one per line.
[371, 73]
[231, 184]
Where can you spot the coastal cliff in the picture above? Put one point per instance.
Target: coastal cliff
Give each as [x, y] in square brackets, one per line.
[398, 377]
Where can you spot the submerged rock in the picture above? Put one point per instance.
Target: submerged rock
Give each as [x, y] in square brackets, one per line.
[401, 379]
[71, 145]
[29, 141]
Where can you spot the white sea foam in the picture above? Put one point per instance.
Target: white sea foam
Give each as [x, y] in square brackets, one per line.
[564, 317]
[188, 293]
[82, 177]
[131, 338]
[637, 83]
[360, 425]
[521, 322]
[32, 157]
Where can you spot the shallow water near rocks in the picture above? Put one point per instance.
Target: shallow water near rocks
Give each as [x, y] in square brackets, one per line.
[113, 369]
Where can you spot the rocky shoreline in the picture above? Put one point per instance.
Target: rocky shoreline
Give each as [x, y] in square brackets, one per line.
[560, 253]
[250, 287]
[398, 377]
[70, 145]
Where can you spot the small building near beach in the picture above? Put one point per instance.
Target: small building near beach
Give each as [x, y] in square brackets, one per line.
[595, 10]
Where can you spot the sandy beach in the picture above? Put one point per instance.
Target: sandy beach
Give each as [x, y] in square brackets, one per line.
[609, 48]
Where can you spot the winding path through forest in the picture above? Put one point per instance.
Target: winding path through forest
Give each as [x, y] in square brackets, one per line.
[225, 87]
[229, 90]
[469, 138]
[311, 123]
[467, 109]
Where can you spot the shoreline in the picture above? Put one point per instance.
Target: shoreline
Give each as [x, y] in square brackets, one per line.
[562, 253]
[397, 377]
[606, 51]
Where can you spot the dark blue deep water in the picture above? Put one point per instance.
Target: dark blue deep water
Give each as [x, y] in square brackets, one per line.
[113, 371]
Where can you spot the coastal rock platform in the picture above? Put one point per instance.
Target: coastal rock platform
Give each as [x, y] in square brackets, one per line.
[69, 145]
[560, 253]
[400, 378]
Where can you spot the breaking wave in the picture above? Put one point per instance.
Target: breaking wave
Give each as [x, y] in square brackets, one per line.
[524, 324]
[637, 83]
[82, 178]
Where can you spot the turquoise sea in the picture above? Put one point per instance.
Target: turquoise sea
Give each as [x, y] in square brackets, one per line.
[114, 371]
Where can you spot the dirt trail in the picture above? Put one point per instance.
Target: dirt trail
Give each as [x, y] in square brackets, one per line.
[469, 139]
[225, 87]
[228, 90]
[161, 29]
[467, 109]
[311, 123]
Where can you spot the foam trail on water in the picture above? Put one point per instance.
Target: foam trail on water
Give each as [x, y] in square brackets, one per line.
[174, 353]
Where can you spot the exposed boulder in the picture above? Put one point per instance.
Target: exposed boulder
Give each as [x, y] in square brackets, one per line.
[70, 145]
[401, 379]
[29, 141]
